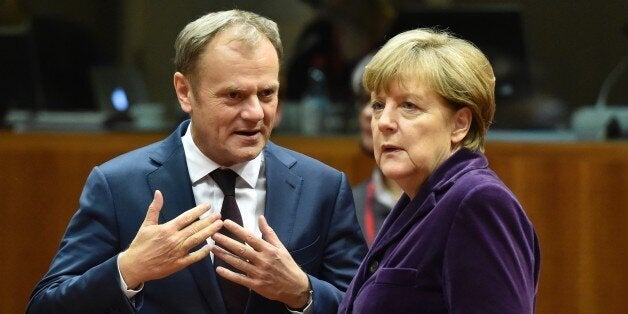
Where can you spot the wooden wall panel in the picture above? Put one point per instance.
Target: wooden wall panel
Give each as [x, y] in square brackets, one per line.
[576, 194]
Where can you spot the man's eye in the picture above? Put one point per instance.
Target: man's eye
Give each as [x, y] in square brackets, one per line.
[233, 95]
[267, 93]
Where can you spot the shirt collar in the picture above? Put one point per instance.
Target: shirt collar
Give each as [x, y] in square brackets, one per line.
[199, 165]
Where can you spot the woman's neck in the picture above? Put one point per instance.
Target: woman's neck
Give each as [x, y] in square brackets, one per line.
[392, 187]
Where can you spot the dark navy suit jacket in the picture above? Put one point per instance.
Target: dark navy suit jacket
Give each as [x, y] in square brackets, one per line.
[462, 245]
[308, 204]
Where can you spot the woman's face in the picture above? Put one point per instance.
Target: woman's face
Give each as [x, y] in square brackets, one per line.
[414, 130]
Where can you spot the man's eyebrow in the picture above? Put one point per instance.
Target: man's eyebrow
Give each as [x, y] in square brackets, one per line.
[233, 88]
[237, 88]
[271, 86]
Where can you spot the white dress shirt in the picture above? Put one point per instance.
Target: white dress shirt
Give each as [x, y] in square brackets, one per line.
[250, 185]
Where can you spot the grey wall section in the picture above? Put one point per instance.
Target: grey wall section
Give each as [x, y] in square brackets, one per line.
[574, 45]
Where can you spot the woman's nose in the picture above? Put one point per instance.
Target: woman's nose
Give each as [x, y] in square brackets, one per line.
[387, 120]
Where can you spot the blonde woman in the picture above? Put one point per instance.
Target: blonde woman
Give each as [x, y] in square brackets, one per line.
[457, 241]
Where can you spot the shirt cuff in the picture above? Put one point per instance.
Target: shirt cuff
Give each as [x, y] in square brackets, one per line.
[130, 293]
[308, 309]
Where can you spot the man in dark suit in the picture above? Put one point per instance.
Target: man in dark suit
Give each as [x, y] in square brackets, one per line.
[299, 243]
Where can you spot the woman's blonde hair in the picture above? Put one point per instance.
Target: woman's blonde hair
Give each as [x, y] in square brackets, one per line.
[454, 68]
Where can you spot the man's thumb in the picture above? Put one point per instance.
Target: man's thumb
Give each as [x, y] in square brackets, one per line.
[152, 216]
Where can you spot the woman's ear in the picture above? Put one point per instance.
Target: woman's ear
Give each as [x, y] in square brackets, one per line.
[462, 124]
[184, 91]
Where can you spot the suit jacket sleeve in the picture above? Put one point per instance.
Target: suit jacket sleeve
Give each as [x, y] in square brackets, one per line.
[83, 276]
[343, 254]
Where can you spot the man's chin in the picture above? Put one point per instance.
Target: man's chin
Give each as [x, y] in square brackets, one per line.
[247, 153]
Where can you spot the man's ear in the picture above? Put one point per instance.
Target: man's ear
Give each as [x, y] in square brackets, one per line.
[184, 91]
[462, 124]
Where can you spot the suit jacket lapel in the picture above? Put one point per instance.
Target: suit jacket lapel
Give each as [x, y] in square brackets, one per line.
[283, 188]
[173, 180]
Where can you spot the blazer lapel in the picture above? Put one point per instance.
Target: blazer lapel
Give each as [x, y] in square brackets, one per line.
[173, 180]
[404, 218]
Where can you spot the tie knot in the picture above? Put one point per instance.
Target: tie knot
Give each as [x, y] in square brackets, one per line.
[225, 178]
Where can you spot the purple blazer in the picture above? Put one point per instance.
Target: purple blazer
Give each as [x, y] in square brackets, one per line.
[462, 245]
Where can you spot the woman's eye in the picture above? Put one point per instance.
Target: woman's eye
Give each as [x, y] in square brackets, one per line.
[408, 105]
[377, 105]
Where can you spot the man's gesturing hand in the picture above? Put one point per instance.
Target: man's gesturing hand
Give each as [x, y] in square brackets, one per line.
[160, 250]
[268, 267]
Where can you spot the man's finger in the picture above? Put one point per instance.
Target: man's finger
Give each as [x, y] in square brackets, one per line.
[235, 277]
[200, 224]
[237, 248]
[243, 266]
[152, 215]
[189, 216]
[206, 228]
[256, 243]
[196, 256]
[268, 233]
[237, 262]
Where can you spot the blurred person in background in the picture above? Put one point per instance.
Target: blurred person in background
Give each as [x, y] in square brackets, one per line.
[341, 33]
[375, 196]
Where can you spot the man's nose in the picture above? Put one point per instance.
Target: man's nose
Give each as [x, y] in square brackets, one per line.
[253, 109]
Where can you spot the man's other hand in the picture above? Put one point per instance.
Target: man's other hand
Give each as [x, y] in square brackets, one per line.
[268, 267]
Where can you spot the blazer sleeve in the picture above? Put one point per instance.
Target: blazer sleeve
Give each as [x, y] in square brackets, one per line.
[491, 257]
[83, 276]
[342, 256]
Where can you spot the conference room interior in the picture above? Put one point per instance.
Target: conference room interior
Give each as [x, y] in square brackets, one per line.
[84, 81]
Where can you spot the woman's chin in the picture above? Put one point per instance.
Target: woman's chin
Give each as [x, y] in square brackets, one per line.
[394, 173]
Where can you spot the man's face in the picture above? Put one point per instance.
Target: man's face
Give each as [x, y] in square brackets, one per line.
[232, 99]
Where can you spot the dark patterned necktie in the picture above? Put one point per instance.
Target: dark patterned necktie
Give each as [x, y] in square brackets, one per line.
[234, 295]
